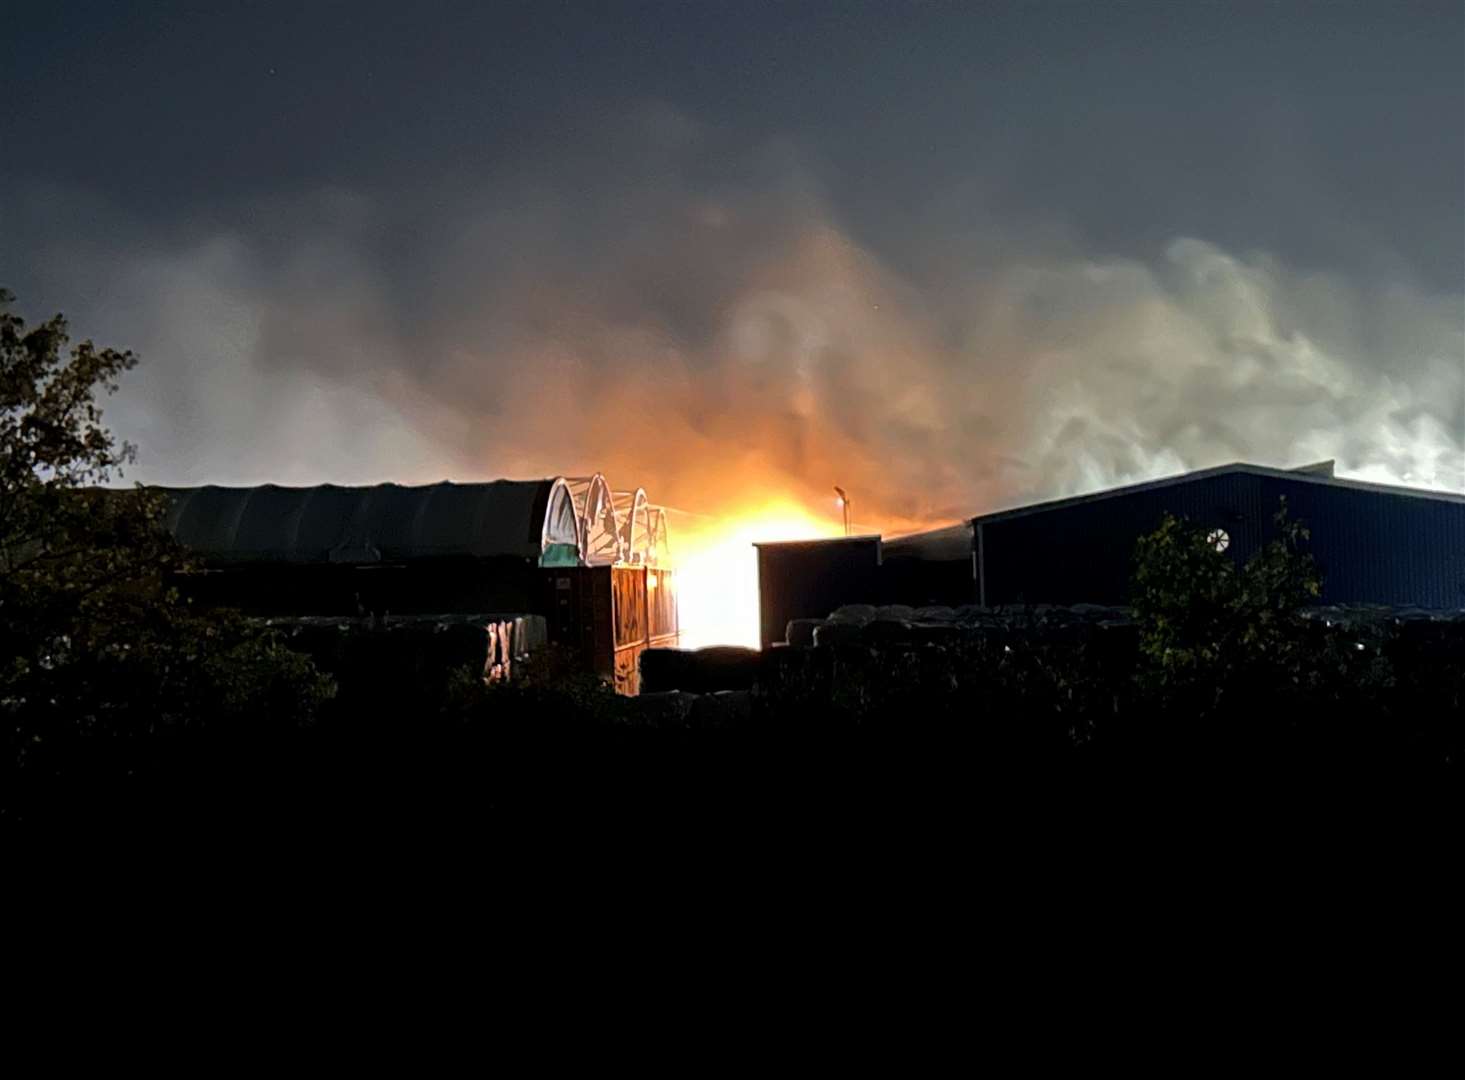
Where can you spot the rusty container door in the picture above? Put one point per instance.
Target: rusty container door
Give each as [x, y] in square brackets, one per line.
[661, 604]
[631, 626]
[579, 611]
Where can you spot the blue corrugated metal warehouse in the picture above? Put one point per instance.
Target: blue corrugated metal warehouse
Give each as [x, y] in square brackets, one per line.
[1373, 543]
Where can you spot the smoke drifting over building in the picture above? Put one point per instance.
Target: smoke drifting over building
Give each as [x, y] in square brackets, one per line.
[921, 271]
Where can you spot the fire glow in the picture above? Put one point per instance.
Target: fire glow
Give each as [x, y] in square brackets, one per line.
[717, 569]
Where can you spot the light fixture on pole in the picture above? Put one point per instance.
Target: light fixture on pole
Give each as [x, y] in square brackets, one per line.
[844, 505]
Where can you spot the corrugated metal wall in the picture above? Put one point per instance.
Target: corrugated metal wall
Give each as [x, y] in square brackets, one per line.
[1374, 547]
[1083, 553]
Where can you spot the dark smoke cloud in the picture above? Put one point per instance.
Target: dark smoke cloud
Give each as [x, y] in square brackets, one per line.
[697, 317]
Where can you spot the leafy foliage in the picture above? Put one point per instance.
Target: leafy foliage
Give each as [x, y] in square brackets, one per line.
[93, 642]
[1216, 635]
[551, 686]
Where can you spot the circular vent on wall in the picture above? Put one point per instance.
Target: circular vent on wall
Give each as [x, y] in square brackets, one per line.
[1219, 539]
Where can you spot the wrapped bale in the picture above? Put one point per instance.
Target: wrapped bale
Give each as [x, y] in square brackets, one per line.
[725, 667]
[664, 670]
[886, 630]
[835, 633]
[858, 614]
[795, 682]
[700, 671]
[940, 633]
[935, 614]
[800, 632]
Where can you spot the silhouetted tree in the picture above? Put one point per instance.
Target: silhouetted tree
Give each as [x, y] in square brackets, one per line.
[94, 645]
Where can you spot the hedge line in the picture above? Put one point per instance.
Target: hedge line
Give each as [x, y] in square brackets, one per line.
[1372, 687]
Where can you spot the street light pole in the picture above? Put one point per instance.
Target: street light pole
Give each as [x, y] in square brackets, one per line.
[844, 505]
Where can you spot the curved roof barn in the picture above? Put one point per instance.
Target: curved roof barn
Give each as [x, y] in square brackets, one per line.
[560, 521]
[532, 519]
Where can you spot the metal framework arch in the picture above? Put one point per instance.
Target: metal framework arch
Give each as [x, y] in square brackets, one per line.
[611, 527]
[633, 510]
[600, 529]
[658, 541]
[561, 540]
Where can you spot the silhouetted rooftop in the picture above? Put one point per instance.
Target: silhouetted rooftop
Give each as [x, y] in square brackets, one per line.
[381, 523]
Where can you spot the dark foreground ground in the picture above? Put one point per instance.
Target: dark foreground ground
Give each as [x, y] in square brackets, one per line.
[568, 780]
[567, 856]
[1034, 736]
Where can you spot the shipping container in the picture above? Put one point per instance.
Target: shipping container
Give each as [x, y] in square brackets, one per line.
[610, 615]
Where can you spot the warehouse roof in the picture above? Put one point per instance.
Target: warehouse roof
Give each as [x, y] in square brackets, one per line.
[933, 545]
[1321, 474]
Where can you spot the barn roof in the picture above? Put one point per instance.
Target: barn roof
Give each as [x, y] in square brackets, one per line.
[1320, 474]
[933, 545]
[381, 523]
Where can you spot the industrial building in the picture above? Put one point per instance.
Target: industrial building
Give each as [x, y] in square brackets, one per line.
[1374, 544]
[810, 578]
[584, 564]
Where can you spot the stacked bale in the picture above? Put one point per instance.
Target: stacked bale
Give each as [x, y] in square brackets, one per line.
[891, 623]
[1038, 674]
[700, 671]
[665, 670]
[1048, 679]
[800, 632]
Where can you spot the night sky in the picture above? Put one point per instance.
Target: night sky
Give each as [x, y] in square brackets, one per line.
[950, 255]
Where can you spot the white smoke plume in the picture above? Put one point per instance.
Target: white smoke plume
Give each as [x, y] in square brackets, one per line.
[696, 318]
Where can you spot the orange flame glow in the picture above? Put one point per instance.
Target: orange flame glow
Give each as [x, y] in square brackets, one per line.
[717, 569]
